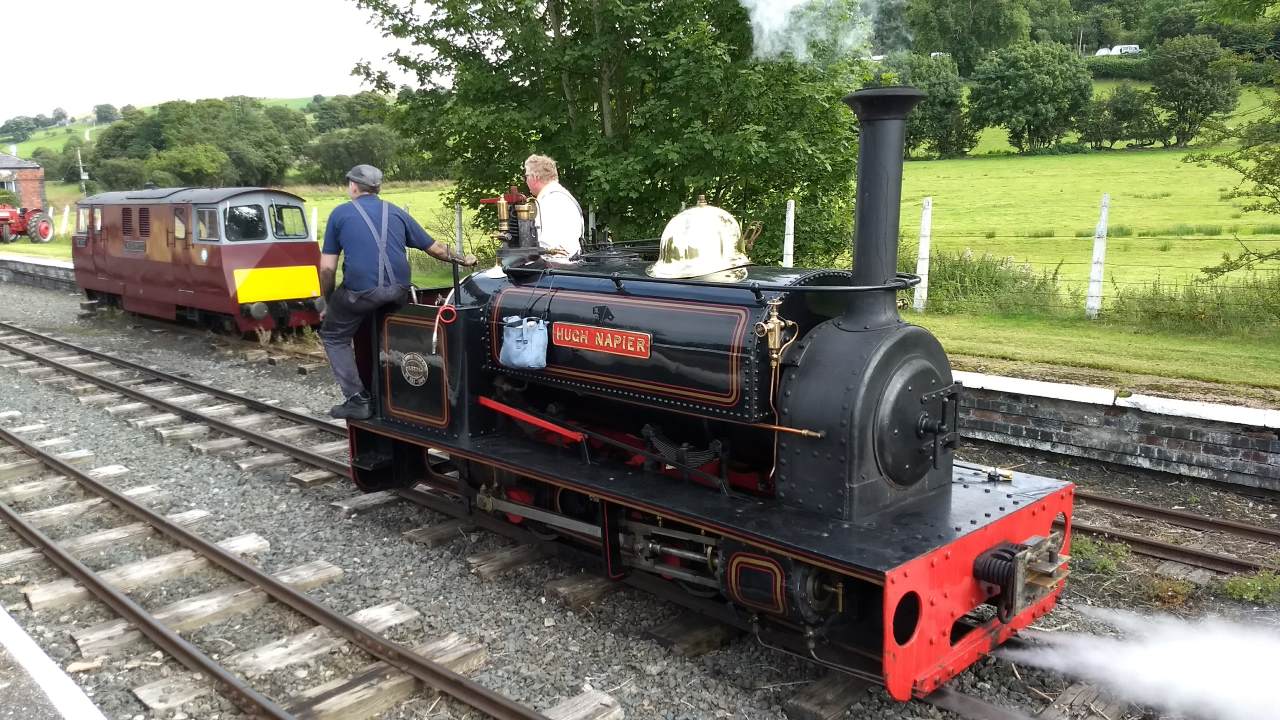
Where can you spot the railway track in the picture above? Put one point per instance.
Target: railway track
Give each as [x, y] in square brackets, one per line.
[214, 420]
[433, 664]
[292, 436]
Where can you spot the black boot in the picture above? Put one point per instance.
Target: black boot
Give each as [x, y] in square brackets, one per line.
[355, 408]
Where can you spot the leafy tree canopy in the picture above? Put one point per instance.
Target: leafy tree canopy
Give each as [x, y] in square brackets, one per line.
[645, 105]
[1194, 79]
[1033, 90]
[967, 30]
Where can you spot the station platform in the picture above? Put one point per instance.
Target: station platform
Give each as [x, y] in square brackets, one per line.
[32, 686]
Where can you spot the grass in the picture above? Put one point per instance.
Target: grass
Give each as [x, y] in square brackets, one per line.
[1261, 587]
[1102, 557]
[53, 138]
[1239, 359]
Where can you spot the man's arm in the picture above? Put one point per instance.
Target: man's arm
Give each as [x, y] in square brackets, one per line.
[328, 269]
[419, 238]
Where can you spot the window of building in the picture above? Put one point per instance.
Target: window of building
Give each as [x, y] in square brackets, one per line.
[288, 222]
[207, 219]
[246, 222]
[144, 222]
[10, 185]
[179, 223]
[126, 221]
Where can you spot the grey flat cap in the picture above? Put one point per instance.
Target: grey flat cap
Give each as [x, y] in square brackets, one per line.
[366, 175]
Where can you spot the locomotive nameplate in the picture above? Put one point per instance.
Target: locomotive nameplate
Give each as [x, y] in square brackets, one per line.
[626, 343]
[693, 353]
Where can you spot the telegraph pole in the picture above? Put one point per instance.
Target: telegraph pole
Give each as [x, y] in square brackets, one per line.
[83, 175]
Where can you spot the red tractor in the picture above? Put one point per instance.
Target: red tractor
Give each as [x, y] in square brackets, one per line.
[32, 222]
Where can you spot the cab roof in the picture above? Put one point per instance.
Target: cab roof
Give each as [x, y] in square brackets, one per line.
[178, 196]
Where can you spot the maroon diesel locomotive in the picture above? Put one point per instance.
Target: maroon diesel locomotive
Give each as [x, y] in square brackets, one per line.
[241, 259]
[775, 443]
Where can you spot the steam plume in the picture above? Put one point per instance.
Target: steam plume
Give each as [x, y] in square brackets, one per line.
[799, 27]
[1207, 668]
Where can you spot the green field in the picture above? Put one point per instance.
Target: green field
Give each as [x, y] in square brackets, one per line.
[53, 138]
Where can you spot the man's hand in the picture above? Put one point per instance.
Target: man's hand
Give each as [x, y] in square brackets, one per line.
[467, 260]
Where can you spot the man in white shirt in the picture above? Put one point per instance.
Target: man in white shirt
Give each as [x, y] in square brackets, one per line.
[559, 220]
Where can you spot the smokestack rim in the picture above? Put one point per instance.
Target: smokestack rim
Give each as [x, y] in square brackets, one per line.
[884, 103]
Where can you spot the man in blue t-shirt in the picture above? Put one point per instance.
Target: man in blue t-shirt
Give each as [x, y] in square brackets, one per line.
[372, 237]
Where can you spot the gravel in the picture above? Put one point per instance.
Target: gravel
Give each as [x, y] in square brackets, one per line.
[539, 652]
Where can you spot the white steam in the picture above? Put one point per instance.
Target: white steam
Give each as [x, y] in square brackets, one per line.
[797, 27]
[1207, 668]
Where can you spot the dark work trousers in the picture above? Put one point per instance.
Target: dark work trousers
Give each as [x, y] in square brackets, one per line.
[347, 309]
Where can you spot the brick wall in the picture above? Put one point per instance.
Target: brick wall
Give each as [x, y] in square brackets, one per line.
[1220, 450]
[30, 183]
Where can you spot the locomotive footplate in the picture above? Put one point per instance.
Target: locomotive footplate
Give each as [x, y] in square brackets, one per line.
[922, 555]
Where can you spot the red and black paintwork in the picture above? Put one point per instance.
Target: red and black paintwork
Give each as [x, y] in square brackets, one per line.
[167, 277]
[819, 496]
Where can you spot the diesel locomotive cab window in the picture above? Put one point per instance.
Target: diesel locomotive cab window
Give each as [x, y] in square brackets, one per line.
[82, 220]
[288, 222]
[208, 224]
[246, 222]
[179, 224]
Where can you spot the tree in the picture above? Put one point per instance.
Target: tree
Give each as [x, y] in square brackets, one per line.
[51, 160]
[1168, 19]
[1134, 117]
[1095, 124]
[18, 129]
[121, 174]
[940, 123]
[890, 32]
[1052, 21]
[293, 126]
[645, 104]
[967, 30]
[1033, 90]
[105, 113]
[200, 164]
[59, 116]
[334, 153]
[1194, 79]
[238, 126]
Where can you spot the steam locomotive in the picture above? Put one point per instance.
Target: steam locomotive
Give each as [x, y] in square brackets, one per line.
[775, 438]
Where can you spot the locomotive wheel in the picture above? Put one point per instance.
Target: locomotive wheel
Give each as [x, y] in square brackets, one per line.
[6, 234]
[39, 227]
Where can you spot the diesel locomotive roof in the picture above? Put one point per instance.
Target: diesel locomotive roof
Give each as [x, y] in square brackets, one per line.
[179, 195]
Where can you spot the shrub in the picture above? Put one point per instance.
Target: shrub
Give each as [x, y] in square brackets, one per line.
[1119, 67]
[1248, 304]
[965, 282]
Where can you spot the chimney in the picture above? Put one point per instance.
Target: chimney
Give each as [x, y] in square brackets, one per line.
[882, 120]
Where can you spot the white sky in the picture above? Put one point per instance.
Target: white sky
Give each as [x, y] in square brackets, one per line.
[142, 52]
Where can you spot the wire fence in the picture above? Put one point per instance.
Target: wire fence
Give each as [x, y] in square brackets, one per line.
[1216, 278]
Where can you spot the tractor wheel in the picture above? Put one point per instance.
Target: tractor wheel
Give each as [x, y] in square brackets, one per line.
[39, 227]
[6, 234]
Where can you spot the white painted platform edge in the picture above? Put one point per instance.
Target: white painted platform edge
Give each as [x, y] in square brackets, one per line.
[1251, 417]
[37, 260]
[63, 692]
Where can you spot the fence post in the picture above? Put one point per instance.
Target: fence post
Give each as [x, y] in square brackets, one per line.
[66, 215]
[457, 226]
[591, 224]
[315, 220]
[789, 236]
[1093, 302]
[922, 258]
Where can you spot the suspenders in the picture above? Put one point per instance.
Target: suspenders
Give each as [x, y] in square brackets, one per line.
[384, 263]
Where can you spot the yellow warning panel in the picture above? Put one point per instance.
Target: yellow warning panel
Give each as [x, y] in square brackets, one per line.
[295, 282]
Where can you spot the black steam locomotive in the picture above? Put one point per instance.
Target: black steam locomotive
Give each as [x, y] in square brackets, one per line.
[774, 437]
